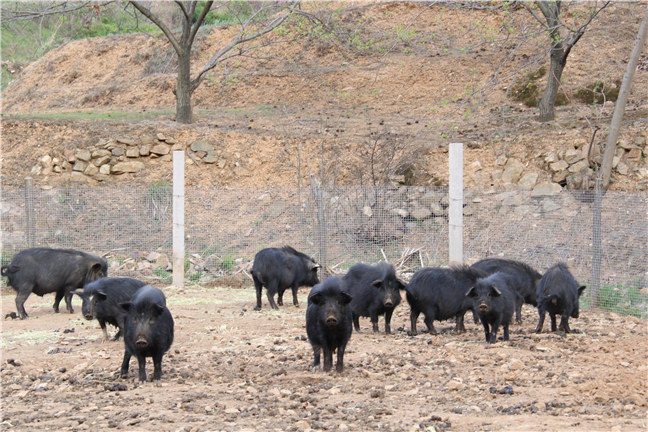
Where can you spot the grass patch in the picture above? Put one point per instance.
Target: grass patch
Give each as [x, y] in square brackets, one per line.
[166, 275]
[620, 299]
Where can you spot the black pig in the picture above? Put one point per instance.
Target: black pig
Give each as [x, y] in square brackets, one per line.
[375, 290]
[494, 301]
[102, 299]
[44, 270]
[558, 294]
[279, 269]
[440, 294]
[524, 279]
[148, 330]
[328, 321]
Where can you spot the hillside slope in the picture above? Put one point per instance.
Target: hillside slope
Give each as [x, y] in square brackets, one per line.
[398, 90]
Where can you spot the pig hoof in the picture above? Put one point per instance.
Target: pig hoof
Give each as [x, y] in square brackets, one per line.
[257, 308]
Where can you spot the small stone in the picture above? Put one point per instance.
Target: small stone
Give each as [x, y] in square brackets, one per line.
[166, 158]
[45, 161]
[501, 160]
[546, 189]
[101, 160]
[625, 144]
[91, 170]
[127, 141]
[512, 171]
[622, 168]
[634, 153]
[101, 177]
[104, 169]
[366, 210]
[100, 152]
[170, 140]
[83, 154]
[561, 165]
[560, 176]
[78, 177]
[211, 158]
[117, 151]
[420, 213]
[475, 166]
[145, 150]
[36, 169]
[615, 161]
[578, 166]
[160, 149]
[132, 152]
[127, 167]
[506, 390]
[200, 145]
[79, 166]
[572, 156]
[221, 163]
[148, 140]
[160, 136]
[57, 169]
[528, 181]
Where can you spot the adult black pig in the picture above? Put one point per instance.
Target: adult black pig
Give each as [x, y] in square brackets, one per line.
[524, 279]
[440, 294]
[102, 299]
[558, 294]
[148, 330]
[281, 268]
[375, 290]
[328, 321]
[494, 300]
[44, 270]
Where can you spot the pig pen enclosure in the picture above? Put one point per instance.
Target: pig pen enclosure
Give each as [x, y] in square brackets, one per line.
[232, 368]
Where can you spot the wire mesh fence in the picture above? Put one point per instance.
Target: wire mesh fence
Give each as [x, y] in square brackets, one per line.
[342, 225]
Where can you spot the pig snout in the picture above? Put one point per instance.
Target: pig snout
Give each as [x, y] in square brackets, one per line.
[141, 342]
[483, 307]
[331, 319]
[389, 302]
[87, 316]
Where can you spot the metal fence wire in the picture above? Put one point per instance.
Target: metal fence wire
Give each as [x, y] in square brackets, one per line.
[342, 225]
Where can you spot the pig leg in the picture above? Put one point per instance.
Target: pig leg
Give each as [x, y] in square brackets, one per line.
[316, 355]
[117, 335]
[429, 322]
[20, 302]
[271, 289]
[68, 301]
[542, 313]
[356, 321]
[257, 286]
[339, 366]
[564, 323]
[413, 317]
[57, 300]
[295, 301]
[475, 316]
[125, 363]
[506, 331]
[102, 324]
[141, 360]
[494, 329]
[328, 358]
[157, 366]
[553, 321]
[388, 316]
[459, 326]
[374, 322]
[487, 333]
[518, 312]
[280, 297]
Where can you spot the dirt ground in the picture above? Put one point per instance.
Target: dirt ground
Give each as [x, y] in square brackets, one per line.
[235, 369]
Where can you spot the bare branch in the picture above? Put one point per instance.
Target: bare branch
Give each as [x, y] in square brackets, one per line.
[184, 10]
[240, 39]
[158, 22]
[581, 30]
[199, 21]
[52, 9]
[533, 13]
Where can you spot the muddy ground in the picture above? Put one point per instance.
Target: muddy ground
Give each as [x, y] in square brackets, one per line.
[234, 369]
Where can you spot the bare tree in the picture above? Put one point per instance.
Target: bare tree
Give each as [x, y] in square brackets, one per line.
[563, 38]
[183, 43]
[619, 107]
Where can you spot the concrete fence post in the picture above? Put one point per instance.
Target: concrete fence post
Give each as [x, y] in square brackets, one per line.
[455, 191]
[178, 218]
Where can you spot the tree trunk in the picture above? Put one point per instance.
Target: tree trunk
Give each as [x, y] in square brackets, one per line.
[183, 91]
[546, 105]
[619, 107]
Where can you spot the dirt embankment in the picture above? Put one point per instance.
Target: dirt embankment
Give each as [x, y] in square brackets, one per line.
[397, 94]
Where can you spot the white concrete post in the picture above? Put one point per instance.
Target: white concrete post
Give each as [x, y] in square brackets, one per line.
[178, 218]
[455, 231]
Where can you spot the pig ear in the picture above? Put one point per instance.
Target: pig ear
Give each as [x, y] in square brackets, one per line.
[126, 306]
[315, 298]
[80, 293]
[471, 292]
[377, 283]
[345, 297]
[100, 295]
[158, 309]
[581, 289]
[494, 291]
[313, 265]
